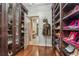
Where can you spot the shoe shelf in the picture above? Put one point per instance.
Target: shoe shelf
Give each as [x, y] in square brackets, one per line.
[57, 9]
[55, 5]
[64, 5]
[57, 14]
[65, 20]
[70, 23]
[70, 43]
[58, 21]
[57, 28]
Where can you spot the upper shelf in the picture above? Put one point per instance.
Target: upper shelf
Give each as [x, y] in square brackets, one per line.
[58, 14]
[56, 5]
[72, 14]
[69, 6]
[57, 8]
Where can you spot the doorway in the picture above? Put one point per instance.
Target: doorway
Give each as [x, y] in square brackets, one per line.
[33, 30]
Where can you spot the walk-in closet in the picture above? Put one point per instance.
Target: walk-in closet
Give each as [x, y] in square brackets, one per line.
[39, 29]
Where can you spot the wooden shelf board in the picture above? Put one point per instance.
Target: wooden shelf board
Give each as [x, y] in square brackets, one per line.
[57, 14]
[64, 6]
[55, 5]
[57, 29]
[74, 13]
[57, 21]
[69, 6]
[57, 8]
[71, 29]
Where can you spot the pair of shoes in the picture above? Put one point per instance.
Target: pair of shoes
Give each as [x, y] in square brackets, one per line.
[73, 25]
[73, 39]
[75, 42]
[72, 36]
[69, 50]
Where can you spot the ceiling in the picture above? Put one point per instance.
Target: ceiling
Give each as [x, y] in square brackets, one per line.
[36, 4]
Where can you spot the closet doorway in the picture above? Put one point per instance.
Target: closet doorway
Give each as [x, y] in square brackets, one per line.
[33, 25]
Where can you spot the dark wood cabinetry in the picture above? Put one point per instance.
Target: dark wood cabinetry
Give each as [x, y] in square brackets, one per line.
[11, 28]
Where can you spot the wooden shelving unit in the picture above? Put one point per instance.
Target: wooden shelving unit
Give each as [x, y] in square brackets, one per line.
[60, 19]
[68, 15]
[57, 27]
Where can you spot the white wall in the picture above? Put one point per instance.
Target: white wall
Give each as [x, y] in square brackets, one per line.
[26, 38]
[42, 11]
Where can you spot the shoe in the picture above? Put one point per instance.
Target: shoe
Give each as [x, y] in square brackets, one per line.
[72, 36]
[68, 50]
[73, 25]
[75, 42]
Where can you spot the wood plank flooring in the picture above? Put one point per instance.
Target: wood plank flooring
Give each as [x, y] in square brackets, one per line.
[33, 50]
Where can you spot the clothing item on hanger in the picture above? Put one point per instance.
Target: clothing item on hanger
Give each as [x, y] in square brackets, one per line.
[46, 29]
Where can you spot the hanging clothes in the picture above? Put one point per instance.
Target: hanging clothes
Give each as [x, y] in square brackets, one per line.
[46, 29]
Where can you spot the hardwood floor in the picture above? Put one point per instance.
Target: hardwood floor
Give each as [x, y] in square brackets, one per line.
[33, 50]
